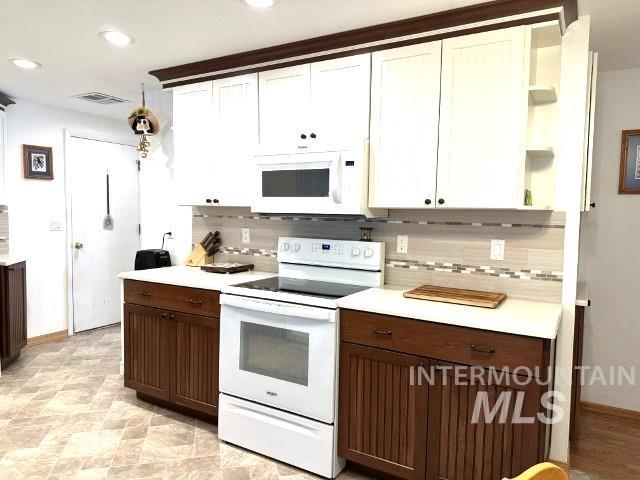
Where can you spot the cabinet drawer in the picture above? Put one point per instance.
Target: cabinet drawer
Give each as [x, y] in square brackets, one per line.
[444, 342]
[171, 297]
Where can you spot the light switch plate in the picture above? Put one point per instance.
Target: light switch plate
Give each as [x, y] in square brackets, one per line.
[246, 235]
[497, 249]
[55, 225]
[402, 244]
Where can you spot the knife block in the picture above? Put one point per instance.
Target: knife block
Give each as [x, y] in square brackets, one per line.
[198, 257]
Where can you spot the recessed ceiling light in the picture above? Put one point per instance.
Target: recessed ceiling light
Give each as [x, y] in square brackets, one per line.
[24, 63]
[118, 39]
[260, 3]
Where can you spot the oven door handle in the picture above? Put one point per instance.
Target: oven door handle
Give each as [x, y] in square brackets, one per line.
[278, 308]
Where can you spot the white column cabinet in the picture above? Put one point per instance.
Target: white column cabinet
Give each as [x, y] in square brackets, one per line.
[192, 136]
[3, 147]
[235, 133]
[483, 119]
[405, 102]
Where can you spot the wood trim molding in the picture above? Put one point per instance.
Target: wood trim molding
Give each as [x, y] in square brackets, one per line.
[48, 338]
[5, 101]
[611, 411]
[351, 42]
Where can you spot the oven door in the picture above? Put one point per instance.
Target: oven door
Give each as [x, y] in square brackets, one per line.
[279, 354]
[305, 182]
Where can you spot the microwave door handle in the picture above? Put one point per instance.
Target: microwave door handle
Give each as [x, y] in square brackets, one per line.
[335, 179]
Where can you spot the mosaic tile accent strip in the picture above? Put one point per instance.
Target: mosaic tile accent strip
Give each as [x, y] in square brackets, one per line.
[255, 252]
[524, 274]
[361, 220]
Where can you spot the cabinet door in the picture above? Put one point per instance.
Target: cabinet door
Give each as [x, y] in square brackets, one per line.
[482, 119]
[148, 333]
[340, 103]
[193, 130]
[14, 310]
[382, 415]
[196, 348]
[405, 103]
[235, 106]
[284, 107]
[487, 449]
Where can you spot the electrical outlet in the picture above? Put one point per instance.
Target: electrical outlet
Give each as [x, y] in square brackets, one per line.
[246, 235]
[497, 249]
[55, 225]
[402, 244]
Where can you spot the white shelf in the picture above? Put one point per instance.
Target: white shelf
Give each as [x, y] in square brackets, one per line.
[541, 94]
[537, 151]
[536, 207]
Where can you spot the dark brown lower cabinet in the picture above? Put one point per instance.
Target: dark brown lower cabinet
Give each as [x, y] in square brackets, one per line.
[13, 312]
[196, 363]
[502, 439]
[148, 334]
[382, 415]
[172, 356]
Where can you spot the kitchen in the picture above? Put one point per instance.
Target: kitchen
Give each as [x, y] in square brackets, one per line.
[405, 197]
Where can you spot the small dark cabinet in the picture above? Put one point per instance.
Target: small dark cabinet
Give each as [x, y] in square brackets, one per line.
[13, 312]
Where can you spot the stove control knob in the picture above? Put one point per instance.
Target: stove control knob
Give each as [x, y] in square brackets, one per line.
[284, 247]
[296, 247]
[368, 252]
[355, 251]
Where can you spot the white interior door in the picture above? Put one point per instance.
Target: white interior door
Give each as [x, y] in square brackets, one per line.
[99, 254]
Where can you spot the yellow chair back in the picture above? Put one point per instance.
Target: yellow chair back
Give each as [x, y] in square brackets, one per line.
[543, 471]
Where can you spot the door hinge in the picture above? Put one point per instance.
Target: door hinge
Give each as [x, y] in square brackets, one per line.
[138, 162]
[139, 229]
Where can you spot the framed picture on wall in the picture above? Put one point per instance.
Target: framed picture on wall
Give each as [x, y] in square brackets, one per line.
[630, 162]
[38, 162]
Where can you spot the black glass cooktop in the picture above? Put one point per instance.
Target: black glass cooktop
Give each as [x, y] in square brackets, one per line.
[312, 288]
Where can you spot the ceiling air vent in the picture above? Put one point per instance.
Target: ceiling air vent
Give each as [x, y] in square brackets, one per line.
[101, 98]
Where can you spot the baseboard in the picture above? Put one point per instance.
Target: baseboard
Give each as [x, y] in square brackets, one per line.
[49, 337]
[611, 411]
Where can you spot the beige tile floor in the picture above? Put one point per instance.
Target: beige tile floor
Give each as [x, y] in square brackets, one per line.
[65, 414]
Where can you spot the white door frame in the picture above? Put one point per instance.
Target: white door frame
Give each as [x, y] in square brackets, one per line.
[99, 137]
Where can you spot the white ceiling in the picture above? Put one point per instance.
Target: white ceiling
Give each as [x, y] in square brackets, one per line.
[63, 36]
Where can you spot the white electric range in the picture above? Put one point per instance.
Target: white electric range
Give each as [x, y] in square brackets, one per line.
[279, 351]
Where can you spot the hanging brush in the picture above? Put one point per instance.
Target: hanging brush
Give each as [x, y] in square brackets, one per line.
[107, 223]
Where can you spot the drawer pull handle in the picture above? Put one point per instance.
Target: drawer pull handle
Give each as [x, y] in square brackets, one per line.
[195, 302]
[386, 333]
[172, 316]
[145, 294]
[483, 350]
[164, 315]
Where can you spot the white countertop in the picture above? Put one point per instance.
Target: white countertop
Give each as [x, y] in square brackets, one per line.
[193, 277]
[519, 317]
[582, 295]
[7, 260]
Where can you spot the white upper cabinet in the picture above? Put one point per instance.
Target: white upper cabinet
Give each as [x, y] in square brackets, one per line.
[483, 119]
[192, 135]
[405, 102]
[284, 106]
[235, 127]
[340, 102]
[3, 136]
[215, 139]
[318, 106]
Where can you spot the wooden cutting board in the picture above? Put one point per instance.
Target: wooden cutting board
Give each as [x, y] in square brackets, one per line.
[459, 296]
[227, 267]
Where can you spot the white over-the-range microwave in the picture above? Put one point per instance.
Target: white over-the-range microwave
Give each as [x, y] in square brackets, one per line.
[329, 182]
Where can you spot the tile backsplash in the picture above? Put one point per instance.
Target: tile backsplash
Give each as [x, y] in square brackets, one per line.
[450, 248]
[4, 230]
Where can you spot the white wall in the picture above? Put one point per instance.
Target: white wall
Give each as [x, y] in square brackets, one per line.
[609, 249]
[33, 203]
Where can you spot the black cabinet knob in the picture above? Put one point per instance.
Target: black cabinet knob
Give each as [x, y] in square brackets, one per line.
[427, 201]
[208, 200]
[441, 201]
[215, 200]
[303, 136]
[313, 135]
[592, 204]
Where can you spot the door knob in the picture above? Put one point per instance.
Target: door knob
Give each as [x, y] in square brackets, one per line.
[78, 245]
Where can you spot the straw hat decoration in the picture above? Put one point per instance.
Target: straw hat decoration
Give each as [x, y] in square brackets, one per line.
[144, 123]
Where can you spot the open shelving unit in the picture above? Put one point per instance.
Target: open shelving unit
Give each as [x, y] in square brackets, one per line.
[542, 118]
